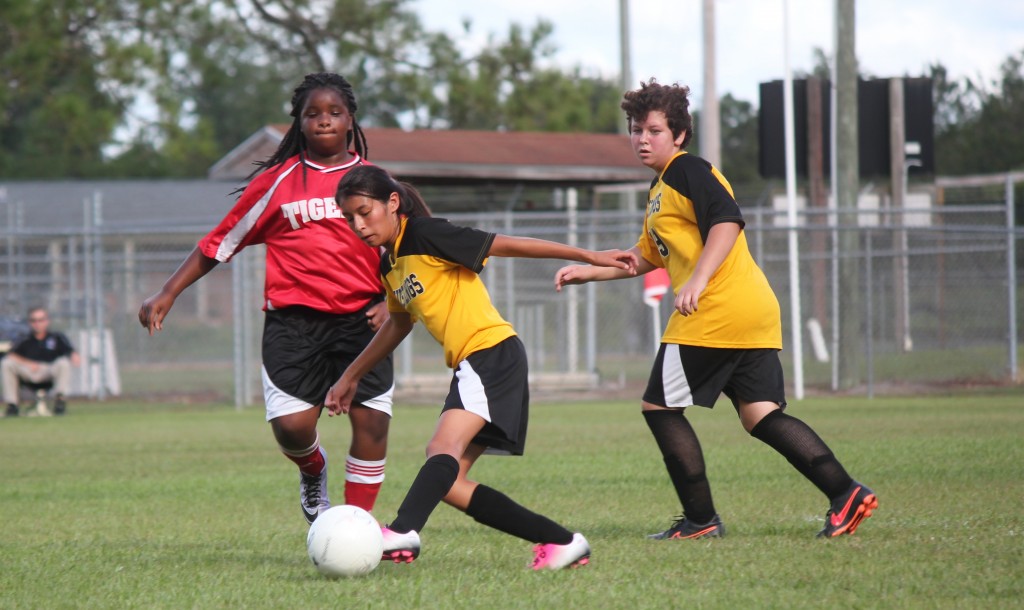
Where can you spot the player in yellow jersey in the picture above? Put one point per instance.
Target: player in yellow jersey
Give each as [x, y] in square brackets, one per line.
[726, 330]
[430, 270]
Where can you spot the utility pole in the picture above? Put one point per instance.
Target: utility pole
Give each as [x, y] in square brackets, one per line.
[624, 59]
[711, 123]
[847, 191]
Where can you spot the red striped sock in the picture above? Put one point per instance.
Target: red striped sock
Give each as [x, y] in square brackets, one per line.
[363, 479]
[312, 461]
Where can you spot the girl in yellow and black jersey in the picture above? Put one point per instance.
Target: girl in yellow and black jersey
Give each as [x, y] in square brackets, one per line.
[430, 269]
[729, 344]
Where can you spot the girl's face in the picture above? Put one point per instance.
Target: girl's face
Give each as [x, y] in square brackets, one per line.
[372, 220]
[325, 122]
[653, 142]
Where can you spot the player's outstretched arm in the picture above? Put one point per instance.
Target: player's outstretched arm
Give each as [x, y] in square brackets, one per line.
[395, 328]
[528, 247]
[155, 308]
[581, 274]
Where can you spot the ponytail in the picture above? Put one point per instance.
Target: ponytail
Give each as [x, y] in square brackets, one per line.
[376, 183]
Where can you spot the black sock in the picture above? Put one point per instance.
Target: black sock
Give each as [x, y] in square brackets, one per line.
[805, 450]
[435, 479]
[494, 509]
[684, 461]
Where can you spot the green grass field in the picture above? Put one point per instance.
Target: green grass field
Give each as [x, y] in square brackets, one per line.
[133, 505]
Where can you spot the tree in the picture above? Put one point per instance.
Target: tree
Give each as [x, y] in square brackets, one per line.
[61, 101]
[163, 88]
[976, 126]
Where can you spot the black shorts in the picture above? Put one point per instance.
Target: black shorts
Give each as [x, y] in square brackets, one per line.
[494, 384]
[687, 375]
[305, 351]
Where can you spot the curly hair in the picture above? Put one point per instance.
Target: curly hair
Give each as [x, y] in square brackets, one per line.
[673, 100]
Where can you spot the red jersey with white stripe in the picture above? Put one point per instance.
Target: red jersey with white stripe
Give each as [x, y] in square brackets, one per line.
[313, 258]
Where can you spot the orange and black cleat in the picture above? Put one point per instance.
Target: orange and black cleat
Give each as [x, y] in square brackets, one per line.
[684, 529]
[848, 511]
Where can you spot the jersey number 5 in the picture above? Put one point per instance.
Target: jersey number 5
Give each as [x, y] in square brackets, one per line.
[662, 248]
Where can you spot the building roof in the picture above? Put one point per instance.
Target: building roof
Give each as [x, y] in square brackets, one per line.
[488, 163]
[454, 157]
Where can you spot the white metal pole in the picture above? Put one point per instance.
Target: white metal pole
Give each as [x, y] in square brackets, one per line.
[794, 253]
[1011, 276]
[833, 203]
[573, 331]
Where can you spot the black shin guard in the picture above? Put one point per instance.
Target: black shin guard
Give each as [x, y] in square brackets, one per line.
[435, 479]
[494, 509]
[684, 461]
[805, 450]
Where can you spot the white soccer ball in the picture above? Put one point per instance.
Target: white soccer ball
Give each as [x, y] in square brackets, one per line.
[345, 541]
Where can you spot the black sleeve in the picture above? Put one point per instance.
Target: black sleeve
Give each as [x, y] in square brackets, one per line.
[461, 245]
[691, 177]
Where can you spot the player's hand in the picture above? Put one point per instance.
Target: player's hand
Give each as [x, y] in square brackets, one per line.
[687, 298]
[377, 315]
[339, 397]
[572, 275]
[620, 259]
[153, 310]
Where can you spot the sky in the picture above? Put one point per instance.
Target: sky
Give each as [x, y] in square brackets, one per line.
[893, 37]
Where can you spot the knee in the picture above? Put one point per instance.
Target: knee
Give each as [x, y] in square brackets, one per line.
[294, 431]
[752, 414]
[370, 424]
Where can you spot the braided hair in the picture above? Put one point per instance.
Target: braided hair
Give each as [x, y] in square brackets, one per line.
[376, 183]
[294, 143]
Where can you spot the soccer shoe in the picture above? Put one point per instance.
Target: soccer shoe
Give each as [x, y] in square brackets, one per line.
[848, 510]
[313, 492]
[400, 548]
[558, 556]
[684, 529]
[60, 407]
[12, 410]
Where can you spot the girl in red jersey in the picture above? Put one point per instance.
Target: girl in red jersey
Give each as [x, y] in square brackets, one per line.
[322, 296]
[431, 272]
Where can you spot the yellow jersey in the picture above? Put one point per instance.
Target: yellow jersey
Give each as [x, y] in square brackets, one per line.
[434, 276]
[738, 308]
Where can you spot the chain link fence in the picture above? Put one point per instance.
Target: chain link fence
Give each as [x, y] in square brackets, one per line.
[939, 297]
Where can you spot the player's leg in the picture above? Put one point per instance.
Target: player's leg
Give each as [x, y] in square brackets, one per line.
[296, 435]
[758, 392]
[681, 377]
[555, 546]
[455, 430]
[495, 382]
[370, 419]
[367, 456]
[370, 416]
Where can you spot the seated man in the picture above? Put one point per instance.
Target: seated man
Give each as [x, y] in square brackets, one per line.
[43, 356]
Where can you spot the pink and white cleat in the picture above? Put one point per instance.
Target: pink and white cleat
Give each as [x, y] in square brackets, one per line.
[558, 556]
[400, 548]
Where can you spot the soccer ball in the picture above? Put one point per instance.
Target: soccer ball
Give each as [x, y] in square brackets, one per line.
[345, 541]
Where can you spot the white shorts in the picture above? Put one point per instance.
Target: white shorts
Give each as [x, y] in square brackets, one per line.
[280, 403]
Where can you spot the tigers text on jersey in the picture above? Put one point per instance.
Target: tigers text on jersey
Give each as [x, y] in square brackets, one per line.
[738, 308]
[313, 258]
[433, 275]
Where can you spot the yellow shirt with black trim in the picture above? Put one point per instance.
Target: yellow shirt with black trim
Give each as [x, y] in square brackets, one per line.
[738, 308]
[433, 275]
